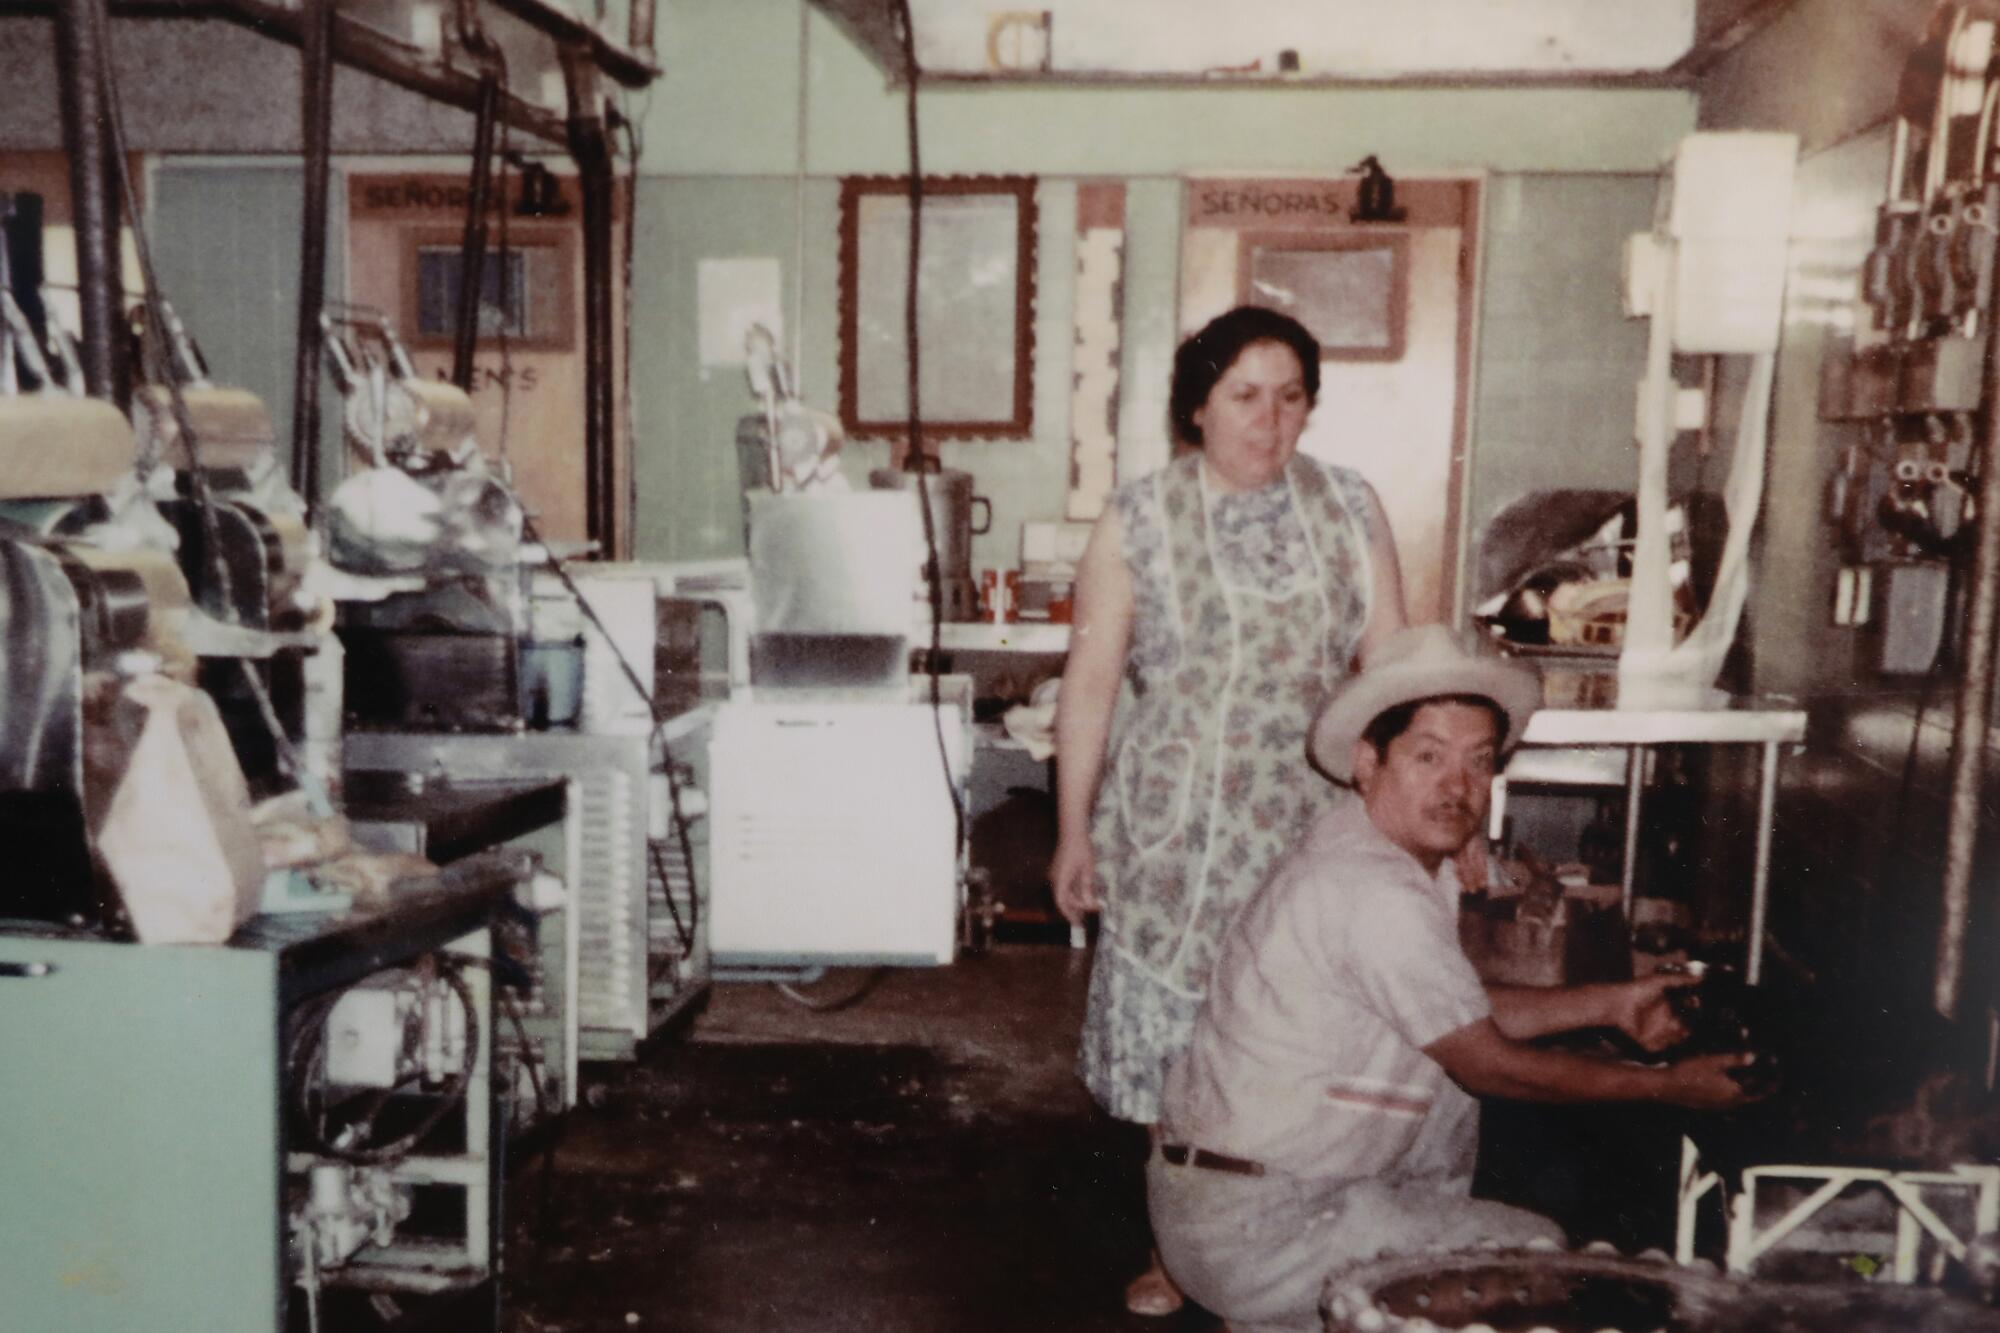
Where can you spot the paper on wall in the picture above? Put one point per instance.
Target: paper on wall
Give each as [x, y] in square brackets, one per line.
[733, 295]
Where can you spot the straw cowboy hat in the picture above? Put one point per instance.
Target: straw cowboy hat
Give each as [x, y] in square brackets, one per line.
[1422, 662]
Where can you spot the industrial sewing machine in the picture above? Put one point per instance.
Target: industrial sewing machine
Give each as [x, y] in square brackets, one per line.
[83, 606]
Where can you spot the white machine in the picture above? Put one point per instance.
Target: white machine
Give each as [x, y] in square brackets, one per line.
[835, 785]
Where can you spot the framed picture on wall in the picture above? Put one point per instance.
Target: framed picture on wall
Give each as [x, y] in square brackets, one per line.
[975, 306]
[1350, 288]
[528, 294]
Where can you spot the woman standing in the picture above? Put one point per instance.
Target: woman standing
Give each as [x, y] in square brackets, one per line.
[1218, 602]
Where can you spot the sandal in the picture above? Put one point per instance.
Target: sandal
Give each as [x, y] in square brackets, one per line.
[1153, 1294]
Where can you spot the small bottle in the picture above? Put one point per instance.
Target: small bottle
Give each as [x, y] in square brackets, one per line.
[992, 603]
[1062, 603]
[1013, 596]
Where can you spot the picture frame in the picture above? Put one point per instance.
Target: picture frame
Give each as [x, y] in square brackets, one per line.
[541, 288]
[976, 293]
[1349, 288]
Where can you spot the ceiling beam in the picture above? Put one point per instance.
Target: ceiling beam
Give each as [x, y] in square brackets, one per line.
[1720, 26]
[359, 46]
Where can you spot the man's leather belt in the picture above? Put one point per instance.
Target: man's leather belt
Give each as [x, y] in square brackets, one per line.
[1182, 1154]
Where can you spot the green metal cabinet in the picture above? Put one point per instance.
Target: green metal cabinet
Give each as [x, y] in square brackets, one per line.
[139, 1139]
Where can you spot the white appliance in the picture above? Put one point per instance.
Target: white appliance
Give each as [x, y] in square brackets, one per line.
[834, 834]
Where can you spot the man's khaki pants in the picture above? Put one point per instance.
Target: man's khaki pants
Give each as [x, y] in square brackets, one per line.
[1258, 1249]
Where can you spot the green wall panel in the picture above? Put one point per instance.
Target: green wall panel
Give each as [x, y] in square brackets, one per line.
[1558, 361]
[225, 241]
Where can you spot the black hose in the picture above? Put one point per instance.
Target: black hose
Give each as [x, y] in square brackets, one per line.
[316, 127]
[472, 248]
[915, 460]
[590, 146]
[83, 62]
[163, 372]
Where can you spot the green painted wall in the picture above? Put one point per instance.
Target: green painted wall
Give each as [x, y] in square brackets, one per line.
[1552, 405]
[766, 103]
[1558, 360]
[225, 239]
[685, 462]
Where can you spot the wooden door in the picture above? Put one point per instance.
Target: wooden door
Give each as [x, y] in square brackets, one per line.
[1392, 304]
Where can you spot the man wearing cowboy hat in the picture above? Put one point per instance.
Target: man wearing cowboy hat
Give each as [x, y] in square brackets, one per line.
[1325, 1110]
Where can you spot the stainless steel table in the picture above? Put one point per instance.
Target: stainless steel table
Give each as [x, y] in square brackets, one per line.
[1604, 746]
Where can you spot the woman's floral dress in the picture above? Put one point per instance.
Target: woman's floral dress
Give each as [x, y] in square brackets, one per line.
[1248, 608]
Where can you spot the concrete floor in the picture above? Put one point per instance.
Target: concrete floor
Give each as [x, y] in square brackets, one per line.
[927, 1160]
[923, 1160]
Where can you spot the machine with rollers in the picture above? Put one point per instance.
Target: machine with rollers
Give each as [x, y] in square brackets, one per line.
[175, 548]
[80, 594]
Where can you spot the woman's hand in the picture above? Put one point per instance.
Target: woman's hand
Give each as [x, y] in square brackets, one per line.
[1098, 639]
[1073, 875]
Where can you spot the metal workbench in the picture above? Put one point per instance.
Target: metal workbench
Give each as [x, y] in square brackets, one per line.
[632, 973]
[146, 1156]
[1612, 747]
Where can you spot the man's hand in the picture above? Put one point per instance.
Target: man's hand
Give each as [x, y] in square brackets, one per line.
[1703, 1082]
[1642, 1010]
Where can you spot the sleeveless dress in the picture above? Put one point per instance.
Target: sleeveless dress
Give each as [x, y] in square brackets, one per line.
[1248, 608]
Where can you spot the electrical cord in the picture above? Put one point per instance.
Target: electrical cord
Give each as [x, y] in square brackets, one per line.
[305, 1065]
[653, 708]
[512, 1007]
[683, 929]
[634, 147]
[833, 1004]
[163, 372]
[917, 463]
[916, 457]
[528, 1057]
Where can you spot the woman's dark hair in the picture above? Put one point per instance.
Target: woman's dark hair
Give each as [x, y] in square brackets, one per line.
[1207, 356]
[1393, 722]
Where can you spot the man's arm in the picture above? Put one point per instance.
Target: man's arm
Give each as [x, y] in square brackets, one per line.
[1484, 1061]
[1637, 1008]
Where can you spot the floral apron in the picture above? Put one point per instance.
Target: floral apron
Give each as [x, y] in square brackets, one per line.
[1207, 781]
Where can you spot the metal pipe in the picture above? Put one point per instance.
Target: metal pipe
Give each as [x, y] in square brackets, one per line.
[590, 146]
[639, 30]
[1760, 875]
[316, 127]
[1975, 700]
[472, 250]
[915, 458]
[81, 35]
[1635, 792]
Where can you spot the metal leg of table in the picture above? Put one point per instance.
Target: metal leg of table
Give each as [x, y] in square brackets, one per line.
[1760, 884]
[1635, 781]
